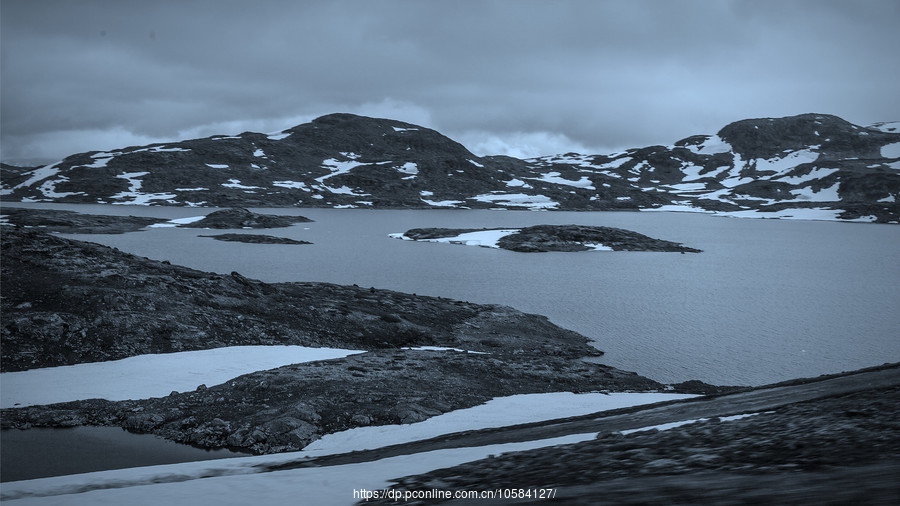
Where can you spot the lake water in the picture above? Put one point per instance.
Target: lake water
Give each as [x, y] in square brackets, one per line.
[38, 453]
[767, 300]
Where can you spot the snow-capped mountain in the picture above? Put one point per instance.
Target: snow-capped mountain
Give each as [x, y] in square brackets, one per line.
[811, 165]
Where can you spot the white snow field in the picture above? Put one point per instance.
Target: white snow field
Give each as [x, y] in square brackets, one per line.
[148, 376]
[498, 412]
[483, 238]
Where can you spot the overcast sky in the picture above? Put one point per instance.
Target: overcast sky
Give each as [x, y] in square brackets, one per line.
[515, 77]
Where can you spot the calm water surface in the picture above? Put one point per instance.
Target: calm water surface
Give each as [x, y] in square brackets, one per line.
[38, 453]
[767, 300]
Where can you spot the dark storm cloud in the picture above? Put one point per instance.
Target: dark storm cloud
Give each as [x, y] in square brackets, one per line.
[526, 77]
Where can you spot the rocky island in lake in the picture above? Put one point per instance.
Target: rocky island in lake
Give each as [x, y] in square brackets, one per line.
[543, 238]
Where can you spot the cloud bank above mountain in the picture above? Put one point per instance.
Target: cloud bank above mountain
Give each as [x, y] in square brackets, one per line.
[504, 77]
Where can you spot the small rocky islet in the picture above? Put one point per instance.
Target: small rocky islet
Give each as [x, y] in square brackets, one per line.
[254, 239]
[565, 238]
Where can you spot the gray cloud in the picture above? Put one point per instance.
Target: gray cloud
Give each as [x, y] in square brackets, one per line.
[514, 76]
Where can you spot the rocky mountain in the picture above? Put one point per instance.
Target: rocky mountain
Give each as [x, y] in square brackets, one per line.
[807, 166]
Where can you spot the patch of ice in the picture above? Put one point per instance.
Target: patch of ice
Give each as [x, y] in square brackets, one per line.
[137, 197]
[259, 153]
[829, 194]
[408, 168]
[886, 126]
[554, 178]
[48, 188]
[338, 167]
[498, 412]
[278, 136]
[291, 184]
[712, 145]
[442, 348]
[400, 129]
[236, 183]
[891, 150]
[615, 164]
[442, 203]
[516, 183]
[597, 247]
[177, 221]
[191, 189]
[672, 425]
[216, 166]
[148, 376]
[39, 174]
[518, 200]
[473, 162]
[889, 198]
[345, 190]
[483, 238]
[782, 165]
[816, 173]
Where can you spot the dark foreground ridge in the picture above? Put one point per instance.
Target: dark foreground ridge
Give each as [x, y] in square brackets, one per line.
[69, 302]
[834, 440]
[544, 238]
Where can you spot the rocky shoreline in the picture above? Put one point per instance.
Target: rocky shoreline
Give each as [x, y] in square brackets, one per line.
[69, 302]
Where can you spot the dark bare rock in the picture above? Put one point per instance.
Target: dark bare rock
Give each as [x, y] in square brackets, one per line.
[544, 238]
[242, 218]
[834, 450]
[255, 239]
[71, 222]
[67, 302]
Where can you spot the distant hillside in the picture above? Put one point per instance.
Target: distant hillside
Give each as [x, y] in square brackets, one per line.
[811, 165]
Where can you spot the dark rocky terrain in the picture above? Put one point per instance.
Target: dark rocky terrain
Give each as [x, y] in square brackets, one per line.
[242, 218]
[769, 165]
[71, 222]
[68, 302]
[255, 239]
[838, 449]
[287, 408]
[543, 238]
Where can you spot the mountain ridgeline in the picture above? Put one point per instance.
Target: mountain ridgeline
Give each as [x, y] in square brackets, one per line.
[771, 167]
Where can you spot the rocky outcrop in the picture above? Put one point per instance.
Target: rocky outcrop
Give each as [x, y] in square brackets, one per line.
[255, 239]
[544, 238]
[242, 218]
[70, 222]
[285, 409]
[758, 167]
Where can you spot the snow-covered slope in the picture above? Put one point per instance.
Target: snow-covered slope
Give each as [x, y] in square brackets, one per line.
[798, 166]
